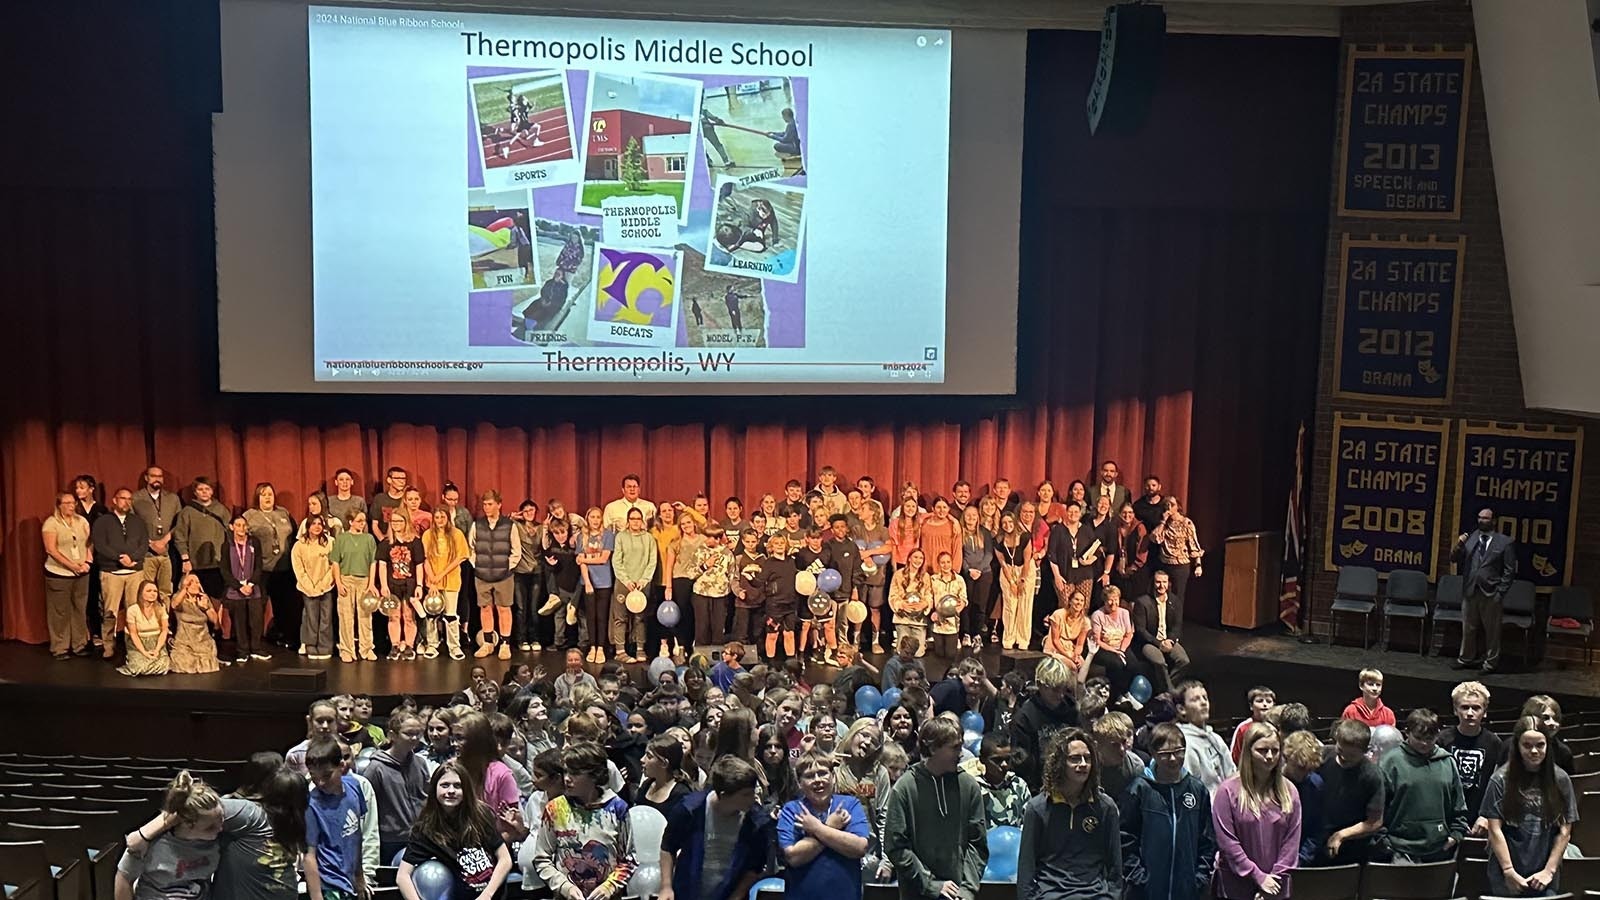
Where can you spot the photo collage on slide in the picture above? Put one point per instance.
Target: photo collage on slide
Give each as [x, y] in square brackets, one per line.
[644, 210]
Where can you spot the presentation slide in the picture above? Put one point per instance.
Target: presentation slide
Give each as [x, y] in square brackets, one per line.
[499, 198]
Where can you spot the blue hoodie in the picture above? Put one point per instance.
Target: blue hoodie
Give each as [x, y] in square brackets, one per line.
[1168, 845]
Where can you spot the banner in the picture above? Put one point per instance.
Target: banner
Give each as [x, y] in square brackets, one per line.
[1405, 130]
[1528, 475]
[1294, 535]
[1399, 307]
[1385, 499]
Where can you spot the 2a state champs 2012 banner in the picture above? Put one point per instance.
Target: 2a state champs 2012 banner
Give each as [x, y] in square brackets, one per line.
[1399, 311]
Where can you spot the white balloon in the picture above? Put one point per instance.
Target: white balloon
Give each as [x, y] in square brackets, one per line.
[646, 880]
[647, 825]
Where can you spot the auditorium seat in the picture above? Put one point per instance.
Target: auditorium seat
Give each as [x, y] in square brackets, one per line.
[33, 890]
[1472, 877]
[64, 846]
[1405, 596]
[1326, 883]
[1581, 871]
[1474, 848]
[1356, 593]
[25, 861]
[1572, 602]
[1422, 881]
[1447, 600]
[1519, 613]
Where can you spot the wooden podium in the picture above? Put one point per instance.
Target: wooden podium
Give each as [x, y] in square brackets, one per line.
[1252, 565]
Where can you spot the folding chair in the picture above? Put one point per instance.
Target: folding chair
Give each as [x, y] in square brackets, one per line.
[1405, 596]
[1518, 612]
[1573, 603]
[1447, 602]
[1356, 592]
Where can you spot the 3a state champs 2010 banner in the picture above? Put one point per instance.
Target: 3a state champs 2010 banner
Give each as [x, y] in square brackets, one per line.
[1528, 475]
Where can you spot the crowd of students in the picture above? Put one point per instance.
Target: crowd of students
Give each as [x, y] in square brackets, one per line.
[751, 771]
[802, 573]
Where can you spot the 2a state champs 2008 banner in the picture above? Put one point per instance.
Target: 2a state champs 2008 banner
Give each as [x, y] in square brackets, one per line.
[1385, 493]
[1528, 475]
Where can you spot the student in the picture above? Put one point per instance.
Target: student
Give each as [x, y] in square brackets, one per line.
[722, 826]
[178, 862]
[1115, 762]
[549, 777]
[1544, 708]
[1302, 757]
[361, 713]
[476, 747]
[1368, 707]
[445, 552]
[313, 572]
[947, 582]
[1426, 812]
[1476, 749]
[400, 560]
[594, 560]
[585, 846]
[1208, 758]
[964, 687]
[332, 861]
[1071, 833]
[910, 598]
[399, 777]
[780, 601]
[822, 836]
[456, 829]
[748, 601]
[723, 673]
[634, 560]
[1005, 794]
[905, 648]
[1169, 842]
[1530, 807]
[665, 782]
[354, 558]
[573, 677]
[1353, 800]
[936, 832]
[1049, 710]
[1261, 699]
[808, 556]
[713, 564]
[1257, 822]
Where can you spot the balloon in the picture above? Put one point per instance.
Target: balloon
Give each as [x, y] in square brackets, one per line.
[868, 700]
[646, 880]
[433, 881]
[1384, 738]
[855, 612]
[805, 583]
[972, 741]
[364, 759]
[860, 543]
[433, 604]
[636, 601]
[766, 885]
[820, 605]
[868, 567]
[949, 606]
[669, 614]
[881, 559]
[972, 721]
[891, 698]
[647, 823]
[657, 666]
[1139, 688]
[829, 579]
[370, 603]
[1004, 843]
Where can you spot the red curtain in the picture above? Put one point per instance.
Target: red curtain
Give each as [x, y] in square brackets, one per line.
[1170, 290]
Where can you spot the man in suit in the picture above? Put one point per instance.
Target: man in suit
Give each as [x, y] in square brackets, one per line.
[1108, 487]
[1487, 561]
[1157, 630]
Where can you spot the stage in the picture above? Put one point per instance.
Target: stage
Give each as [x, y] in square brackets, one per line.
[67, 706]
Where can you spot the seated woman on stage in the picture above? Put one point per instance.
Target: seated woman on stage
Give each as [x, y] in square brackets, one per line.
[194, 651]
[147, 634]
[1068, 637]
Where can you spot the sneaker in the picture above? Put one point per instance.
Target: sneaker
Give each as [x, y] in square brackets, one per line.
[484, 649]
[369, 656]
[303, 650]
[525, 647]
[319, 657]
[572, 615]
[600, 656]
[394, 654]
[241, 659]
[60, 656]
[265, 657]
[455, 653]
[429, 653]
[408, 654]
[505, 650]
[663, 651]
[533, 647]
[346, 657]
[551, 604]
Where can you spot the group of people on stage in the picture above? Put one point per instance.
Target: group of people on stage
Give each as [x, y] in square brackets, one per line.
[1092, 576]
[695, 781]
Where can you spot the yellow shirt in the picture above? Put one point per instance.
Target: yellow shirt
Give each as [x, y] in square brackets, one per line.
[665, 536]
[442, 553]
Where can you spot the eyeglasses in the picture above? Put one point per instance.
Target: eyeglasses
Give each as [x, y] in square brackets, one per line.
[1170, 754]
[1080, 759]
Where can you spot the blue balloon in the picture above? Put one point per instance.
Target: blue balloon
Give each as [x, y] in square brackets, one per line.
[868, 700]
[766, 885]
[972, 742]
[1004, 843]
[1139, 688]
[433, 881]
[829, 580]
[861, 543]
[891, 698]
[668, 614]
[972, 721]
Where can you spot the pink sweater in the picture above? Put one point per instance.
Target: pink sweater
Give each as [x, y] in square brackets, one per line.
[1251, 847]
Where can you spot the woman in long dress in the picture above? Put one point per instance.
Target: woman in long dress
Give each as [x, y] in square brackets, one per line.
[147, 634]
[194, 651]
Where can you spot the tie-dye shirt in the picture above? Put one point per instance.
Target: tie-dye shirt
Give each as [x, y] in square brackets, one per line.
[586, 846]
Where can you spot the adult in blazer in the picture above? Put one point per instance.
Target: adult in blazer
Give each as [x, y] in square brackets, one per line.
[1487, 561]
[1107, 485]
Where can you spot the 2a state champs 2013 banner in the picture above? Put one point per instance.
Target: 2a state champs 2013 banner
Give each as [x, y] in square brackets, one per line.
[1385, 494]
[1405, 130]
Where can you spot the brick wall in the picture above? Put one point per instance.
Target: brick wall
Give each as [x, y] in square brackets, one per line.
[1488, 384]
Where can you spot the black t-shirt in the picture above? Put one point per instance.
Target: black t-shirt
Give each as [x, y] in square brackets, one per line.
[1476, 758]
[402, 559]
[474, 865]
[1349, 795]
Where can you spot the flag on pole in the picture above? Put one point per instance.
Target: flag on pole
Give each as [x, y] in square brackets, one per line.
[1294, 530]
